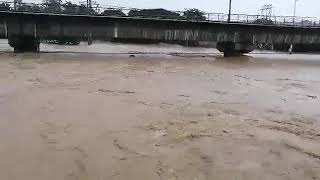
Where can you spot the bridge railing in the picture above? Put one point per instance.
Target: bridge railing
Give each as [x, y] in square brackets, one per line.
[261, 19]
[180, 15]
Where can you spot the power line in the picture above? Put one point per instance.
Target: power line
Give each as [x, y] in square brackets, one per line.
[267, 10]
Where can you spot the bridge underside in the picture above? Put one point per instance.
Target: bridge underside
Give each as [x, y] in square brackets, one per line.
[25, 30]
[24, 43]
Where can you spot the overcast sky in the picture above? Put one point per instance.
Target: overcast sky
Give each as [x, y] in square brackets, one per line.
[281, 7]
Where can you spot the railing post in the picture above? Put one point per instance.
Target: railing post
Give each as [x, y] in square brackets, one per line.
[218, 17]
[293, 21]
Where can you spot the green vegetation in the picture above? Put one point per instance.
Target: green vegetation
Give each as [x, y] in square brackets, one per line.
[29, 8]
[52, 6]
[70, 8]
[194, 14]
[4, 7]
[154, 13]
[113, 12]
[57, 6]
[263, 21]
[189, 14]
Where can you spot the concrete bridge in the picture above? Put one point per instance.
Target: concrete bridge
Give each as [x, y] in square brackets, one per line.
[25, 30]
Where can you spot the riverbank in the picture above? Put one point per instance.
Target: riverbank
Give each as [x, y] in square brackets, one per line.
[80, 117]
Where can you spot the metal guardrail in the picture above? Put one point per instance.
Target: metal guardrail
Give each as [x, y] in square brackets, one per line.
[213, 17]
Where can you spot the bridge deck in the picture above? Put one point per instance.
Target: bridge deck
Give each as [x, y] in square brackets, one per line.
[46, 26]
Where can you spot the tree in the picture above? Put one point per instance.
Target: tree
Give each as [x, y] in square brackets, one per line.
[263, 21]
[4, 7]
[70, 8]
[52, 6]
[52, 2]
[158, 13]
[29, 8]
[194, 14]
[82, 9]
[36, 8]
[113, 12]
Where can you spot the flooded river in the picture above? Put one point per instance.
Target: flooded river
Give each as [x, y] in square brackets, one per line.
[97, 113]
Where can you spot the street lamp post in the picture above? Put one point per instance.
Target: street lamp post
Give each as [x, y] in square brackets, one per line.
[294, 19]
[294, 11]
[295, 8]
[229, 15]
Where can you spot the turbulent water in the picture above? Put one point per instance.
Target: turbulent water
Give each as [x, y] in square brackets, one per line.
[107, 47]
[101, 116]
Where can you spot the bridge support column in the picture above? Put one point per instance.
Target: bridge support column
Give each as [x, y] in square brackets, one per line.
[236, 43]
[24, 43]
[230, 48]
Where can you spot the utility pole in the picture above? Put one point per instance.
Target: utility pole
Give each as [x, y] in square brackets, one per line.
[294, 11]
[229, 15]
[16, 3]
[89, 4]
[266, 11]
[89, 7]
[295, 8]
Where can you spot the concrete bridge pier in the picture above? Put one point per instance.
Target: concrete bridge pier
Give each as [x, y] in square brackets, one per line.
[236, 44]
[24, 43]
[22, 34]
[230, 48]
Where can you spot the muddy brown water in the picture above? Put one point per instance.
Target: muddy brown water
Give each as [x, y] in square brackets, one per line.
[86, 116]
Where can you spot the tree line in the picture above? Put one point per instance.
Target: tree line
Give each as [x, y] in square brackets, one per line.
[57, 6]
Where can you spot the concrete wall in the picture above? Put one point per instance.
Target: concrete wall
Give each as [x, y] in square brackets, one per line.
[105, 28]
